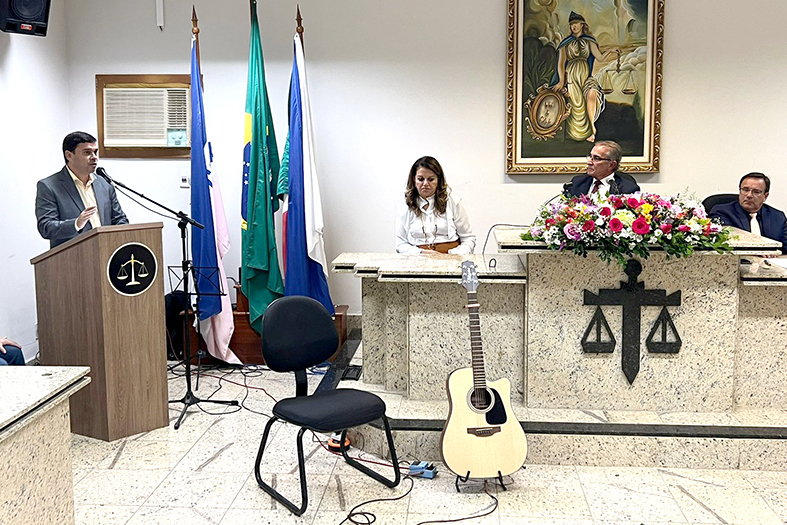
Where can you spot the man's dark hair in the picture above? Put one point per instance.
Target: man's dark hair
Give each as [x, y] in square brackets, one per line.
[74, 139]
[757, 175]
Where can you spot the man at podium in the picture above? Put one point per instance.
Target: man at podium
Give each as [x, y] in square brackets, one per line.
[74, 200]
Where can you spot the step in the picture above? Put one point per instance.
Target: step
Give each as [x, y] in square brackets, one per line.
[744, 439]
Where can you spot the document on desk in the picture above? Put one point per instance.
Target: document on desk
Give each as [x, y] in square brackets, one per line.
[778, 261]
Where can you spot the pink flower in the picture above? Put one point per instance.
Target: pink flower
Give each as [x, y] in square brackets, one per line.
[640, 226]
[632, 202]
[666, 228]
[615, 226]
[572, 231]
[589, 226]
[605, 212]
[618, 203]
[684, 228]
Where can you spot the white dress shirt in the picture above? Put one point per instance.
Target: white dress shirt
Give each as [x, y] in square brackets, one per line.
[433, 228]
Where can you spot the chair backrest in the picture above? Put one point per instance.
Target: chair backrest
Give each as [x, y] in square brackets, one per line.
[297, 333]
[719, 198]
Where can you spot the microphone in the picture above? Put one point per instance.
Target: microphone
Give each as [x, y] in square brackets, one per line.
[613, 187]
[567, 187]
[101, 172]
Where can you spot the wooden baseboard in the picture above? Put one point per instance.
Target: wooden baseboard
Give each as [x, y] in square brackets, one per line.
[246, 343]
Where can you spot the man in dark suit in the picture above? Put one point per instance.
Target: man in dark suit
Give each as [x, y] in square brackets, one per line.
[750, 212]
[74, 200]
[602, 175]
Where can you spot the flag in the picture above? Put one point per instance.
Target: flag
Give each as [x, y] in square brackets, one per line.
[208, 245]
[306, 264]
[261, 279]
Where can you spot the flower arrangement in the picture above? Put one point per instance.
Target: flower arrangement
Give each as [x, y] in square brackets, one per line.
[622, 226]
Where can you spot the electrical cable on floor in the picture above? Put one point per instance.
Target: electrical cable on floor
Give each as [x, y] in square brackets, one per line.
[355, 517]
[474, 516]
[220, 386]
[367, 518]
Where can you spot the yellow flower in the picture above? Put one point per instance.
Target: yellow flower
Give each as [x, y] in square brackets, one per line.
[646, 209]
[625, 216]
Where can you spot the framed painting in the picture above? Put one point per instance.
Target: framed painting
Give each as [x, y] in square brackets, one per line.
[580, 71]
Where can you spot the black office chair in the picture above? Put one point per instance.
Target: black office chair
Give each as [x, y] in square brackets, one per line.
[719, 198]
[298, 333]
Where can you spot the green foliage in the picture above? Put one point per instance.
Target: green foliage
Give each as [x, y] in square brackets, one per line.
[619, 227]
[538, 65]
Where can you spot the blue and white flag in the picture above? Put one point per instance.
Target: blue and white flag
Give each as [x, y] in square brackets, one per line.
[306, 268]
[208, 246]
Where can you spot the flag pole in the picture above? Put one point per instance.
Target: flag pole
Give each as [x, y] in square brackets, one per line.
[299, 28]
[195, 32]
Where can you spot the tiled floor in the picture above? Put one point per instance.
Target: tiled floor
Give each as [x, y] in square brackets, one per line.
[202, 474]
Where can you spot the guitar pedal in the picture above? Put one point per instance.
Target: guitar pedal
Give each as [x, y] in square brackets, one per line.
[422, 469]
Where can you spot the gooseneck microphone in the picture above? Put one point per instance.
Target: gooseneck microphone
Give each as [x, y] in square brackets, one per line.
[613, 187]
[101, 172]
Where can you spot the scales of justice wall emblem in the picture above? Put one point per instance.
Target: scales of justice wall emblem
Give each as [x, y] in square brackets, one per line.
[132, 269]
[632, 296]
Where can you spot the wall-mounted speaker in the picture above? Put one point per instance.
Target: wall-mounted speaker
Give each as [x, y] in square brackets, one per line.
[28, 17]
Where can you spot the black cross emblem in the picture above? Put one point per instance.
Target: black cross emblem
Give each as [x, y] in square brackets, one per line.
[632, 296]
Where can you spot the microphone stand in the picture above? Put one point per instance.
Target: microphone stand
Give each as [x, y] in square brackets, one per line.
[184, 220]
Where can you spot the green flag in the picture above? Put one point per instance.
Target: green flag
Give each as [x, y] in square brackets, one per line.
[261, 279]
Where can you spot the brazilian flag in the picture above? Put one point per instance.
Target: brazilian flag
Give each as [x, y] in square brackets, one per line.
[261, 279]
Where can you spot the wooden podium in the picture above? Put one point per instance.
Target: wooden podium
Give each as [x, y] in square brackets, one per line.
[91, 313]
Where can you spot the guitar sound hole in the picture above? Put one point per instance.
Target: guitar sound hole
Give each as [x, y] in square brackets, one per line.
[480, 400]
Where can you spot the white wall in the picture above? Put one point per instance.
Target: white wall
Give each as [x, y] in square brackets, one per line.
[34, 115]
[390, 81]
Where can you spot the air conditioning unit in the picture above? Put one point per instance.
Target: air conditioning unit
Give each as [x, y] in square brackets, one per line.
[146, 117]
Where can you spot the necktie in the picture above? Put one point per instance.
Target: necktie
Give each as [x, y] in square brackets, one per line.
[596, 186]
[755, 226]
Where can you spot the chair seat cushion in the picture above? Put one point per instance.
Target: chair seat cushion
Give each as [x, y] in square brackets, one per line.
[331, 411]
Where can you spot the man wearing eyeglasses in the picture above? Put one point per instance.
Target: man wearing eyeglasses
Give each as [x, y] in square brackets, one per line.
[602, 175]
[750, 212]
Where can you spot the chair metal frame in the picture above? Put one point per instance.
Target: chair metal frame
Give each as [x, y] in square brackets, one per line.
[298, 511]
[304, 352]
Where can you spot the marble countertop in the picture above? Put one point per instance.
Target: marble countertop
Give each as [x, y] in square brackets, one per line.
[757, 271]
[742, 243]
[26, 388]
[399, 267]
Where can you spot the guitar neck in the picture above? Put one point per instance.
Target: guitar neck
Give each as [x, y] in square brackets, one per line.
[479, 376]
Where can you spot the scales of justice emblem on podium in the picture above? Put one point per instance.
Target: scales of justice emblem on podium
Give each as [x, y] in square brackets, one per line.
[632, 296]
[132, 268]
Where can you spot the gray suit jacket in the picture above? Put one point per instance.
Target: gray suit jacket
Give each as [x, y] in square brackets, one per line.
[58, 205]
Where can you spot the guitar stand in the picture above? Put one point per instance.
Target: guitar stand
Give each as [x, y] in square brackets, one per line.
[464, 479]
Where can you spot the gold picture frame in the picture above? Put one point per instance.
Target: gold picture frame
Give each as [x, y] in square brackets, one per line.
[567, 86]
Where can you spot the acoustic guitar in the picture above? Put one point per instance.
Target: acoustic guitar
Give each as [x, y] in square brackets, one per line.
[482, 438]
